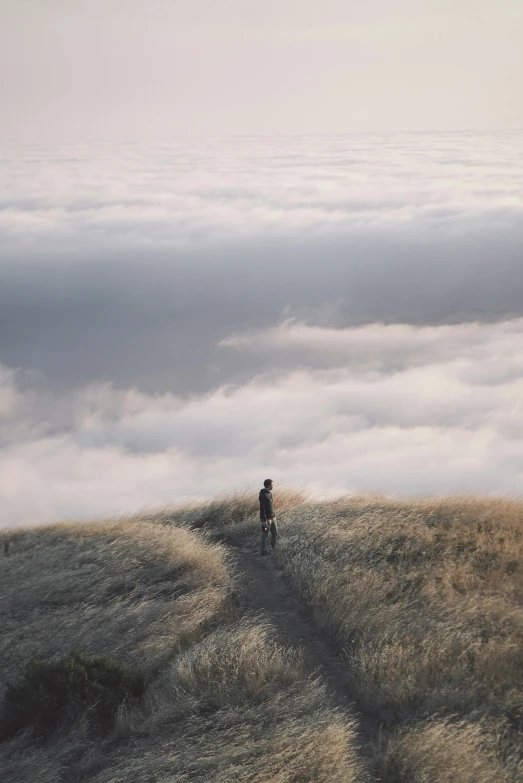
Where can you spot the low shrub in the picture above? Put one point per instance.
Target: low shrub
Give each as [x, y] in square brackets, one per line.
[48, 694]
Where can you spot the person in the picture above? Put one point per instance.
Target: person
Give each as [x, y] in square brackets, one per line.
[267, 516]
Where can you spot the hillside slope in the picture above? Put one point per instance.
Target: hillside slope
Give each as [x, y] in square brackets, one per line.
[422, 600]
[225, 699]
[411, 611]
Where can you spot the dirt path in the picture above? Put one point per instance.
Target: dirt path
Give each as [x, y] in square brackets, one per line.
[265, 591]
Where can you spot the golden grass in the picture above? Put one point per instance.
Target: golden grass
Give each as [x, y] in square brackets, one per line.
[224, 702]
[237, 706]
[133, 590]
[229, 509]
[444, 752]
[423, 597]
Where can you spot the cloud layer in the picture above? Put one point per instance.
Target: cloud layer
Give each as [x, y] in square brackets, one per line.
[405, 410]
[176, 192]
[129, 263]
[181, 318]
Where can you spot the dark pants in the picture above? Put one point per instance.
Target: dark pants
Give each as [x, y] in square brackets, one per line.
[265, 535]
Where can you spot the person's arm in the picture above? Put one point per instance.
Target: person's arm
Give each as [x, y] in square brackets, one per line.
[263, 510]
[269, 512]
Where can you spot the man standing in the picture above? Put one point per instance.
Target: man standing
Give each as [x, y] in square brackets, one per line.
[267, 516]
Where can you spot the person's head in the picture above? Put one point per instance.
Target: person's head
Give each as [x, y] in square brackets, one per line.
[268, 483]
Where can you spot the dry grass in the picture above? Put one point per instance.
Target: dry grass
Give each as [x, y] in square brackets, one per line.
[424, 599]
[242, 708]
[224, 701]
[444, 752]
[229, 509]
[132, 590]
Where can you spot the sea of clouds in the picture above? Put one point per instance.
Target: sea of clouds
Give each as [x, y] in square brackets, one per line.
[179, 319]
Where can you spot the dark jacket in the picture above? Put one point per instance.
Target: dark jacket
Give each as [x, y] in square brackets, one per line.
[266, 507]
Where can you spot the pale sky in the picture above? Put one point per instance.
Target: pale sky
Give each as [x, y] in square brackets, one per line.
[73, 70]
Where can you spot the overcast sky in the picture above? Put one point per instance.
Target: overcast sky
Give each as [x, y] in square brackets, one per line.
[113, 68]
[211, 273]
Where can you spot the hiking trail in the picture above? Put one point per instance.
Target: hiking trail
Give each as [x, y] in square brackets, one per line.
[264, 590]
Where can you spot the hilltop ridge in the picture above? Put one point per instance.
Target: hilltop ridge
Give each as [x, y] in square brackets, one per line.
[382, 640]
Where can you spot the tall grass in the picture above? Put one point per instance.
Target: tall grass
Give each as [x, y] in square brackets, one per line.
[132, 590]
[228, 509]
[224, 701]
[423, 598]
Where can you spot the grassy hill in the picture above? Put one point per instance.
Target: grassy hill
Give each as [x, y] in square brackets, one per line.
[420, 599]
[423, 601]
[223, 701]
